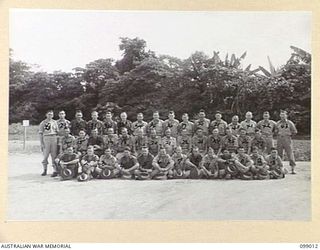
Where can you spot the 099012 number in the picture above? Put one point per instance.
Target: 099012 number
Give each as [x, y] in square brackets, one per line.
[309, 245]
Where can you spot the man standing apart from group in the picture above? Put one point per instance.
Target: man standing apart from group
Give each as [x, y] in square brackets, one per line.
[285, 130]
[48, 138]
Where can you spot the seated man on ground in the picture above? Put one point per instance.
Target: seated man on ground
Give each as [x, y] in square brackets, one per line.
[226, 165]
[179, 170]
[145, 164]
[88, 164]
[260, 167]
[108, 166]
[162, 164]
[128, 164]
[209, 164]
[244, 164]
[193, 162]
[68, 164]
[276, 168]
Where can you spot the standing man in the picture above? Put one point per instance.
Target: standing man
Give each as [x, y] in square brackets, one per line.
[187, 125]
[156, 124]
[285, 130]
[78, 124]
[267, 128]
[48, 138]
[172, 124]
[249, 125]
[235, 125]
[63, 123]
[202, 122]
[109, 123]
[139, 124]
[124, 123]
[95, 123]
[219, 124]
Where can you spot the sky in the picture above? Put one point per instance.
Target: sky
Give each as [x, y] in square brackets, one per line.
[64, 39]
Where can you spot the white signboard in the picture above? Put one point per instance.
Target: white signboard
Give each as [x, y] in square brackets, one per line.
[25, 123]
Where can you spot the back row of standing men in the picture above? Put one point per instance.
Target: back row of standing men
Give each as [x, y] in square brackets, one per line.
[203, 133]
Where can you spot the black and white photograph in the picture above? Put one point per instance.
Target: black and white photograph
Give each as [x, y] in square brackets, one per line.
[159, 115]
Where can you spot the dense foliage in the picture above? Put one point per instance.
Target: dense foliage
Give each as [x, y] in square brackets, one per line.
[143, 81]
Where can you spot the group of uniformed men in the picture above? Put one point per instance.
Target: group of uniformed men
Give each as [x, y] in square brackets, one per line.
[166, 149]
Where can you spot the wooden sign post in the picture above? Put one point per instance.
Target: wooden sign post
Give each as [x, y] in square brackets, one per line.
[25, 124]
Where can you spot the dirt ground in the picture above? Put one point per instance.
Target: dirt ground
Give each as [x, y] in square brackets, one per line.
[33, 197]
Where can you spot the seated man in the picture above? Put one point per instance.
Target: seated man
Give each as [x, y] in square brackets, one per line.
[145, 165]
[162, 164]
[139, 141]
[111, 140]
[244, 165]
[124, 141]
[260, 167]
[81, 144]
[200, 141]
[88, 164]
[68, 164]
[276, 168]
[154, 142]
[65, 142]
[209, 164]
[244, 140]
[179, 170]
[215, 141]
[193, 161]
[128, 164]
[226, 165]
[184, 141]
[230, 141]
[96, 141]
[169, 142]
[108, 166]
[259, 142]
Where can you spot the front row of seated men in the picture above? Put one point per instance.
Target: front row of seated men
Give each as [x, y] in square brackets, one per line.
[163, 166]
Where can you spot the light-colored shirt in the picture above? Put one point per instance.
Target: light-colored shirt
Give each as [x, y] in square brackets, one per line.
[172, 125]
[48, 127]
[250, 126]
[286, 128]
[189, 126]
[267, 127]
[203, 124]
[139, 125]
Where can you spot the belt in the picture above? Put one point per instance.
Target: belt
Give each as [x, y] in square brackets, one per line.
[50, 135]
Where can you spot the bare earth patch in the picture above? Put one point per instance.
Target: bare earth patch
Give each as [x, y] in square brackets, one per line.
[33, 197]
